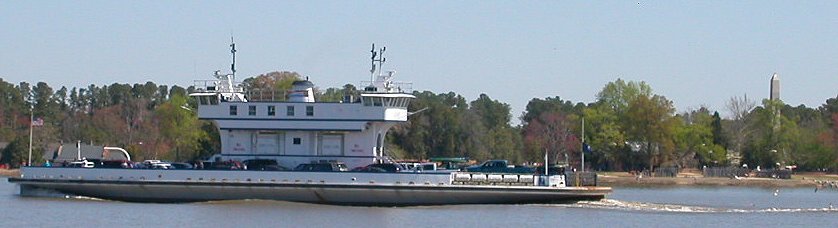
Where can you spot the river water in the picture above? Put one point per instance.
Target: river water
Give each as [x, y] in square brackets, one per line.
[626, 207]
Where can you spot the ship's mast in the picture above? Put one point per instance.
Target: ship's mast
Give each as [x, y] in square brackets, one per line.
[380, 61]
[233, 52]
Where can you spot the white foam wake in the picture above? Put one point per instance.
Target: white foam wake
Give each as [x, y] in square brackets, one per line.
[611, 204]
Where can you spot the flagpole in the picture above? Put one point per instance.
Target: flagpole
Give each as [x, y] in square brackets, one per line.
[583, 144]
[546, 163]
[31, 115]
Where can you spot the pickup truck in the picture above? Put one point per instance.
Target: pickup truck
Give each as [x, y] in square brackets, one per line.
[499, 166]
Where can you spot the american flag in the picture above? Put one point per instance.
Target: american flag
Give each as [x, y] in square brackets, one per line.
[38, 122]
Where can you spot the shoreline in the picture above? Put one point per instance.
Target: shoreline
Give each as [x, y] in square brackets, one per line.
[617, 179]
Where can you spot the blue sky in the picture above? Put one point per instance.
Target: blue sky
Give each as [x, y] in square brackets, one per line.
[695, 53]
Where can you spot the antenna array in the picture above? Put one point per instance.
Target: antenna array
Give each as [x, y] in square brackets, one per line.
[380, 61]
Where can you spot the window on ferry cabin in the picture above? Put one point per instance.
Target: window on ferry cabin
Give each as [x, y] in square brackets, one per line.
[309, 110]
[367, 101]
[234, 110]
[289, 111]
[376, 101]
[213, 100]
[271, 110]
[298, 141]
[251, 110]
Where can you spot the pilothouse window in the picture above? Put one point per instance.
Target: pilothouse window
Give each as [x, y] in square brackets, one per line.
[367, 101]
[234, 110]
[376, 101]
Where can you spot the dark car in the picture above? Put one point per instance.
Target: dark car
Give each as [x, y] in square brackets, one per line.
[368, 169]
[117, 164]
[389, 167]
[499, 166]
[223, 165]
[182, 165]
[321, 167]
[97, 163]
[263, 165]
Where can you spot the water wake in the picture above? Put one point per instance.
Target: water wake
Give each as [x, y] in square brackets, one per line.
[611, 204]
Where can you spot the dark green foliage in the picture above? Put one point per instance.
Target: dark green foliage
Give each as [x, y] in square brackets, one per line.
[628, 127]
[718, 133]
[17, 153]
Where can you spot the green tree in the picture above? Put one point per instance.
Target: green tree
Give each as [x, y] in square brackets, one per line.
[437, 132]
[619, 94]
[551, 133]
[337, 94]
[536, 107]
[489, 134]
[12, 107]
[15, 153]
[182, 128]
[719, 137]
[740, 109]
[695, 139]
[774, 136]
[271, 84]
[649, 121]
[614, 120]
[604, 133]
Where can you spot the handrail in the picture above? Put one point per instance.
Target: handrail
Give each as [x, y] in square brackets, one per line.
[121, 150]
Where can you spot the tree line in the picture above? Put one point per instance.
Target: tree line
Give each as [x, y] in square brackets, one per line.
[628, 127]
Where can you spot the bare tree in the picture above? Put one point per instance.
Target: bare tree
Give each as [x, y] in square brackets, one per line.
[739, 108]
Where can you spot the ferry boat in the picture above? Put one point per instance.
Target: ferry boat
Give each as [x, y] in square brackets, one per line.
[256, 126]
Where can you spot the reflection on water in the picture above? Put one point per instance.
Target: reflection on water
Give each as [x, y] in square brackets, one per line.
[632, 207]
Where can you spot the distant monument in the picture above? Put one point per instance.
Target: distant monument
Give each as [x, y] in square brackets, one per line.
[775, 87]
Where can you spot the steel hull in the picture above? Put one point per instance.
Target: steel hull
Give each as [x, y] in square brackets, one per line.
[322, 192]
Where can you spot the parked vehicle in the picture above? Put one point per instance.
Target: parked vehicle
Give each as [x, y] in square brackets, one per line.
[115, 164]
[263, 165]
[419, 166]
[389, 167]
[224, 165]
[322, 167]
[499, 166]
[81, 164]
[182, 165]
[157, 164]
[368, 169]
